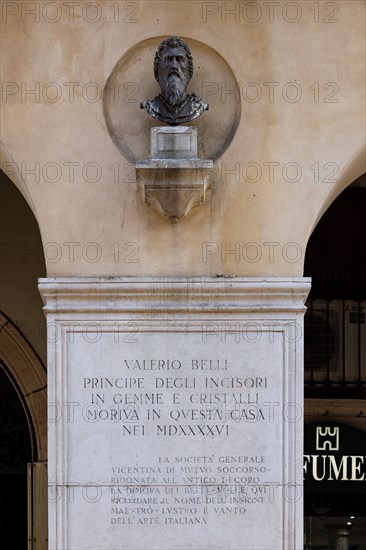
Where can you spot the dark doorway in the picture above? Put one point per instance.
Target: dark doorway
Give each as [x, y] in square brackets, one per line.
[335, 326]
[335, 367]
[15, 453]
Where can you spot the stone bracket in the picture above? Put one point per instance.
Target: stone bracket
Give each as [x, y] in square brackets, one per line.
[174, 180]
[173, 188]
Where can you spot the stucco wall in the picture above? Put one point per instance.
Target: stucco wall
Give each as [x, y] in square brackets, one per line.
[299, 141]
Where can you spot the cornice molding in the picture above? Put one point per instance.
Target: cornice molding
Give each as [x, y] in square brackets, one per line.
[171, 295]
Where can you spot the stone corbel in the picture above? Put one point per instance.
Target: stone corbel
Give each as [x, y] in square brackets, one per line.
[174, 180]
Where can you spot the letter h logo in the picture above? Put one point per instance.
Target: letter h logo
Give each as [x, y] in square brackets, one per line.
[327, 436]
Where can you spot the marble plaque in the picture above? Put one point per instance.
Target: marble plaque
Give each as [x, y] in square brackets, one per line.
[177, 442]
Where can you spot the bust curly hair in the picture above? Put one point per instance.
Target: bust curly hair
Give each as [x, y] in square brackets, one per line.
[172, 42]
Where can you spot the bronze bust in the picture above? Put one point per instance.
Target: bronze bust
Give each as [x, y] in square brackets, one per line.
[173, 69]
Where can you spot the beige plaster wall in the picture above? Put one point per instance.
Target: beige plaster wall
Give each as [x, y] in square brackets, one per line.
[327, 133]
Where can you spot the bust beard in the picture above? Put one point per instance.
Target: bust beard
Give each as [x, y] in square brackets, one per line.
[173, 90]
[173, 105]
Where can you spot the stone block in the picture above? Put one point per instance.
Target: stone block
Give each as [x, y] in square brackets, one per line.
[174, 142]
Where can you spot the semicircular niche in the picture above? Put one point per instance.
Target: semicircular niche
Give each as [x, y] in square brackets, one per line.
[132, 81]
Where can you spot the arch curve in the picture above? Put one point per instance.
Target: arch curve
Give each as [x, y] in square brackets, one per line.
[30, 376]
[352, 170]
[11, 169]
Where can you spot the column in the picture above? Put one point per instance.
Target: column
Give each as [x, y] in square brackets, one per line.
[175, 413]
[338, 537]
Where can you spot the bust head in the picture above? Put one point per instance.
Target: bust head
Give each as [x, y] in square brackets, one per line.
[173, 69]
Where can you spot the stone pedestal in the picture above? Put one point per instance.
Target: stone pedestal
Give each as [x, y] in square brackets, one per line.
[174, 180]
[175, 413]
[174, 142]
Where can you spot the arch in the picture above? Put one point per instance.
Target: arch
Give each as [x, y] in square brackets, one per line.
[353, 170]
[334, 251]
[23, 263]
[335, 336]
[11, 168]
[29, 374]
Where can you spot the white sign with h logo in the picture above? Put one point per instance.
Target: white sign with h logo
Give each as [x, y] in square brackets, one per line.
[327, 437]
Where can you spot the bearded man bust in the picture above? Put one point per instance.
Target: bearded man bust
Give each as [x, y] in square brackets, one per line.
[173, 69]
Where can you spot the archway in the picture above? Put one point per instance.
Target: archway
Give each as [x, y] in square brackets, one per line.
[17, 449]
[29, 377]
[335, 368]
[335, 354]
[353, 172]
[23, 381]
